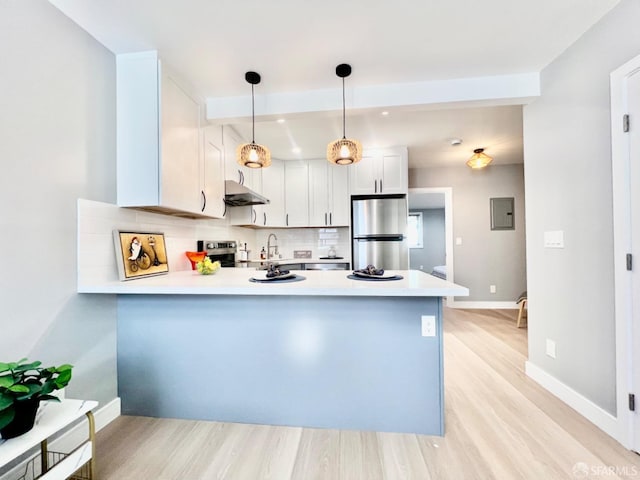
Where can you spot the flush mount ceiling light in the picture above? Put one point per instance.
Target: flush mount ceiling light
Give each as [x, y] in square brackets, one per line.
[344, 151]
[251, 154]
[479, 159]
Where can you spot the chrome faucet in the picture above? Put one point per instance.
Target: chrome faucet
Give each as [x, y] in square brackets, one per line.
[269, 246]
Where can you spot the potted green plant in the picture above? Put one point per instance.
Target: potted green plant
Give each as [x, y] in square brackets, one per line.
[23, 385]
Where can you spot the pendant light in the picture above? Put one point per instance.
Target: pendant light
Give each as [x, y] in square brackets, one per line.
[344, 151]
[479, 159]
[251, 154]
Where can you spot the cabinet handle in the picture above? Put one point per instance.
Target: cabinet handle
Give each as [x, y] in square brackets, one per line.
[240, 178]
[287, 219]
[255, 215]
[224, 213]
[325, 218]
[375, 186]
[204, 200]
[330, 220]
[380, 185]
[265, 218]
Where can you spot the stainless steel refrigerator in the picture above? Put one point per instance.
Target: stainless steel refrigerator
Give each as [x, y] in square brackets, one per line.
[379, 232]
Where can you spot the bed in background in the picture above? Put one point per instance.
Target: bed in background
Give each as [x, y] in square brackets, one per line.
[440, 271]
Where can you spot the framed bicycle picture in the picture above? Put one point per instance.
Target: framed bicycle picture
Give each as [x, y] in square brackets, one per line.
[140, 254]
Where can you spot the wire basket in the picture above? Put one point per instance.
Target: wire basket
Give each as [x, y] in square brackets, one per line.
[33, 469]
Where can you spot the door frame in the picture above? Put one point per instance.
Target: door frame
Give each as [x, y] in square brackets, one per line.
[448, 228]
[622, 245]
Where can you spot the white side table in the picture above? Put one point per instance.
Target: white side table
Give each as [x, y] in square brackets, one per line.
[51, 418]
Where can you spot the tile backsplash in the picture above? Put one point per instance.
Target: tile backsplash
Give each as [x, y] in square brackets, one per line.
[97, 220]
[318, 240]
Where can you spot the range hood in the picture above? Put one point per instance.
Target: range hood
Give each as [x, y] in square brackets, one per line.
[236, 195]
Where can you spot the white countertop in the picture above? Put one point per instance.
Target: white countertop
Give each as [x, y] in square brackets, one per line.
[235, 281]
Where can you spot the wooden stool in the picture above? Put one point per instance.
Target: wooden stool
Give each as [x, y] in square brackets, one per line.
[522, 314]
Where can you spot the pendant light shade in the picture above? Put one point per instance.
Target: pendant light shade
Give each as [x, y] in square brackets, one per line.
[479, 159]
[253, 155]
[344, 151]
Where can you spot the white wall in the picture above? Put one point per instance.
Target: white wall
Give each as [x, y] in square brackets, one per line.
[485, 257]
[57, 118]
[568, 187]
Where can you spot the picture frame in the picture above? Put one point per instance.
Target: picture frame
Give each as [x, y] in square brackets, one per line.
[140, 254]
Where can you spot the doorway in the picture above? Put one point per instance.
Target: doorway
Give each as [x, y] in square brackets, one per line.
[625, 142]
[432, 211]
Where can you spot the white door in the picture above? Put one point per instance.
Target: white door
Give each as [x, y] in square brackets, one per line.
[633, 92]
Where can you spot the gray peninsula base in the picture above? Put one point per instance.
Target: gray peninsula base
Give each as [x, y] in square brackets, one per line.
[357, 363]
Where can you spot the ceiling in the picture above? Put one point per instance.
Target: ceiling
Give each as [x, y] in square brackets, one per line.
[296, 45]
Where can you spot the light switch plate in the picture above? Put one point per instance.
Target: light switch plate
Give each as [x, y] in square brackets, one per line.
[458, 240]
[551, 348]
[554, 239]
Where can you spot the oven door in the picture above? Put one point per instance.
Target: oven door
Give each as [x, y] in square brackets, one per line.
[225, 259]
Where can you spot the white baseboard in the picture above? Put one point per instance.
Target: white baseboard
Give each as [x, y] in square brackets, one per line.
[74, 436]
[481, 304]
[585, 407]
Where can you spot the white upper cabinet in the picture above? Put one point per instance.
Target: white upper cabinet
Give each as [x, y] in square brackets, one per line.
[328, 194]
[249, 177]
[212, 180]
[160, 143]
[296, 186]
[380, 172]
[249, 215]
[273, 214]
[339, 198]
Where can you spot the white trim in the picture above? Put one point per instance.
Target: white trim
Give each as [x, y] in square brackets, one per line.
[585, 407]
[448, 226]
[622, 245]
[72, 437]
[480, 304]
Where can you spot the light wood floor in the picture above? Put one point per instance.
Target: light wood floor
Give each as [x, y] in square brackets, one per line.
[499, 425]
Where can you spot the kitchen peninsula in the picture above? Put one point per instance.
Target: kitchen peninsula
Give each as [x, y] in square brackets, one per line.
[326, 352]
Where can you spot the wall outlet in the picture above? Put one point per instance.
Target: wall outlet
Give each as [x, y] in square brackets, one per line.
[428, 326]
[458, 240]
[551, 348]
[492, 289]
[421, 267]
